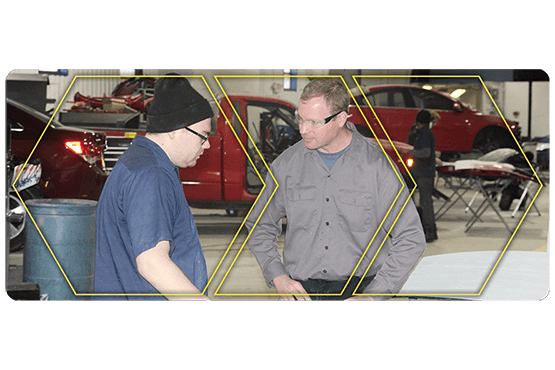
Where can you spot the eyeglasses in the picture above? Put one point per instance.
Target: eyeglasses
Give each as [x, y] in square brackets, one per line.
[204, 138]
[314, 123]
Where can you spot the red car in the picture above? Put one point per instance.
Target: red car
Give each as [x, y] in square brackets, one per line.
[72, 159]
[459, 129]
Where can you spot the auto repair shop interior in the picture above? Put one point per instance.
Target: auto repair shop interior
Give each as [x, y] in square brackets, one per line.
[492, 187]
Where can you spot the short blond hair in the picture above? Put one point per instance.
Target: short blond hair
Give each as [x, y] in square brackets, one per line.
[333, 90]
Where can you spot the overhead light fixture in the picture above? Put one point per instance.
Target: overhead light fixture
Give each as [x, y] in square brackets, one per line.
[427, 87]
[458, 93]
[127, 72]
[62, 72]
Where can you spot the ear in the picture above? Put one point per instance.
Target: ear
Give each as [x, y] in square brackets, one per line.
[343, 117]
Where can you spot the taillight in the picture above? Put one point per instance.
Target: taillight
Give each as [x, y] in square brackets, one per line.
[87, 150]
[410, 162]
[75, 146]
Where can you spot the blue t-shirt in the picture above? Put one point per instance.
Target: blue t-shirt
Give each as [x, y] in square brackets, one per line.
[143, 203]
[331, 158]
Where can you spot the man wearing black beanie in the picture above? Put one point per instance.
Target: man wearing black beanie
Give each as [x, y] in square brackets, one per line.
[147, 243]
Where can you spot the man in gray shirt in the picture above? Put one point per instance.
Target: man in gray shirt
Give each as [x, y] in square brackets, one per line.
[341, 197]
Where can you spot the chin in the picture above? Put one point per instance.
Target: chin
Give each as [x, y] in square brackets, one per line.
[309, 144]
[186, 165]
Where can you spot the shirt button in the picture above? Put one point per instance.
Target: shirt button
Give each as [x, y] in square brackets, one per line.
[327, 224]
[327, 199]
[326, 247]
[325, 272]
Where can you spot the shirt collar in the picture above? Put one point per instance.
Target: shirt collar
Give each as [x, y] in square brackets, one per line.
[159, 153]
[355, 150]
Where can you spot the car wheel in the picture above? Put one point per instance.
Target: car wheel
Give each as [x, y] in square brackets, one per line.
[17, 216]
[491, 139]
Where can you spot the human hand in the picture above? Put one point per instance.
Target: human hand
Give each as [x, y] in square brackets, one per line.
[284, 284]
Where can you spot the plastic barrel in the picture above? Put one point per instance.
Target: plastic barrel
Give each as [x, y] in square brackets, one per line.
[69, 227]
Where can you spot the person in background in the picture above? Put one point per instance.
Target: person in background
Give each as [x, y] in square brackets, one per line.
[424, 169]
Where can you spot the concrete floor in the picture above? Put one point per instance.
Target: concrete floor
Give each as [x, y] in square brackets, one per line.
[221, 236]
[489, 235]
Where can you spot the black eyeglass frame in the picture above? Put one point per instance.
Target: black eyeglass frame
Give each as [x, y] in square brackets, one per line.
[326, 120]
[204, 138]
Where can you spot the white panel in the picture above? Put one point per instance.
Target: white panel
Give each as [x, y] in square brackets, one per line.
[540, 109]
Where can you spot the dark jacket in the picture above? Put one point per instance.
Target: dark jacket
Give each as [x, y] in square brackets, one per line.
[424, 153]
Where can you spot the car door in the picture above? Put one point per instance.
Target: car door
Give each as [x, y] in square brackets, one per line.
[451, 130]
[393, 106]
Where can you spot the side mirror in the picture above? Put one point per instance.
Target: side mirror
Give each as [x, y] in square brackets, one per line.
[15, 126]
[457, 107]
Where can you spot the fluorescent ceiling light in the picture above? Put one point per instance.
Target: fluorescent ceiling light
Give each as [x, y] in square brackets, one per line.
[458, 93]
[427, 87]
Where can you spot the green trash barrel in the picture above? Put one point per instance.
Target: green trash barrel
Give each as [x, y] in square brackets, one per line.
[69, 227]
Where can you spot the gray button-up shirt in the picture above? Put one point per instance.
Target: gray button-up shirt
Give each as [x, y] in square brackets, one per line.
[334, 215]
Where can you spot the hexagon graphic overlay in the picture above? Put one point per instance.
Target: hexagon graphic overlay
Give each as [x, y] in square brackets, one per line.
[514, 138]
[37, 227]
[277, 186]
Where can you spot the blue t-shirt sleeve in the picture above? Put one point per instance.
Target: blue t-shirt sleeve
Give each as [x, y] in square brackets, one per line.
[149, 208]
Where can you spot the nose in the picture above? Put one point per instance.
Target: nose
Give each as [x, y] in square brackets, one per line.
[206, 144]
[302, 128]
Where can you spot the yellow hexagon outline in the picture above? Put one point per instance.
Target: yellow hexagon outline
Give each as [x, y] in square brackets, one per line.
[378, 294]
[266, 294]
[277, 186]
[514, 138]
[40, 232]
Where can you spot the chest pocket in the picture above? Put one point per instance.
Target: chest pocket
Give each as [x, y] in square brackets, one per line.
[355, 210]
[302, 211]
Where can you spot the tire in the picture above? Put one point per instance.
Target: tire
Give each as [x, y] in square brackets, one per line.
[492, 139]
[17, 225]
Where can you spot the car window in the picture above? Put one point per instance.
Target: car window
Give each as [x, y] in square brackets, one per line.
[387, 98]
[379, 99]
[397, 98]
[362, 101]
[270, 118]
[425, 99]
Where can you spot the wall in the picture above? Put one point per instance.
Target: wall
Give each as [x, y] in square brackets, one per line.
[516, 103]
[516, 99]
[540, 109]
[509, 96]
[255, 84]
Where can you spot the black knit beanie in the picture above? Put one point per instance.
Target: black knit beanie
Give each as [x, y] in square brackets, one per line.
[423, 117]
[176, 105]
